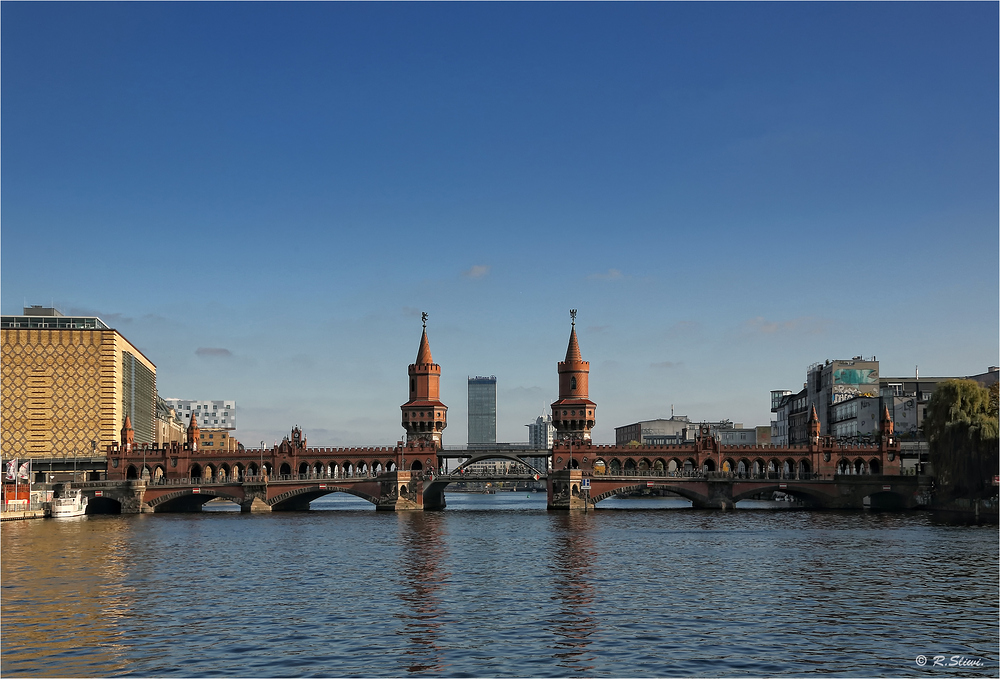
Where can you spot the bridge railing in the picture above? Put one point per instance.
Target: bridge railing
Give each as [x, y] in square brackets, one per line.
[699, 474]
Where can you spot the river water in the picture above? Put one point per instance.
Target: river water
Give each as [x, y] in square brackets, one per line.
[497, 586]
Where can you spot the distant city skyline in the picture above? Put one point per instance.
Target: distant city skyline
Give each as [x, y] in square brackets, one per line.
[262, 198]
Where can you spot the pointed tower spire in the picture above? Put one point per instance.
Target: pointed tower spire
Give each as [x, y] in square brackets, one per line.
[887, 425]
[424, 352]
[128, 435]
[574, 414]
[424, 415]
[573, 350]
[814, 426]
[193, 433]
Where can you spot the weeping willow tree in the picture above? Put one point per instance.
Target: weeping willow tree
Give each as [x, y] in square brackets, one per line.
[961, 424]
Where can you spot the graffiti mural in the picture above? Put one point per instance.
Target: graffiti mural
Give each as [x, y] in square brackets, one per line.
[851, 382]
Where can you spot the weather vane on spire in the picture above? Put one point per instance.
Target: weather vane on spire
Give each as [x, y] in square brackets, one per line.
[572, 315]
[423, 317]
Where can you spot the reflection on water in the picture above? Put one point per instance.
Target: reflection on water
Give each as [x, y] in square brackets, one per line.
[419, 566]
[55, 602]
[573, 556]
[496, 586]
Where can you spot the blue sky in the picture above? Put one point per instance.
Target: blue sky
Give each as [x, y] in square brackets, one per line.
[263, 197]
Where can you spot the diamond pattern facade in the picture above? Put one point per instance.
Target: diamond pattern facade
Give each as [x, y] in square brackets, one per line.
[63, 389]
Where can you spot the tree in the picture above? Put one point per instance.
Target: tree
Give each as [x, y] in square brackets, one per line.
[963, 430]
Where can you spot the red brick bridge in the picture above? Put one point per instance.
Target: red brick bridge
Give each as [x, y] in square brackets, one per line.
[578, 474]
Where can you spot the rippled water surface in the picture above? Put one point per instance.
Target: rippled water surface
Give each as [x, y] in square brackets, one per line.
[497, 586]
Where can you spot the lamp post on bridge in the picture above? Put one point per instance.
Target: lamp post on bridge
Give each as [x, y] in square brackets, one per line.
[261, 470]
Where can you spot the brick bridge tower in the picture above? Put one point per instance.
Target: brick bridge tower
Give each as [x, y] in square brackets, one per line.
[128, 435]
[193, 434]
[424, 416]
[573, 415]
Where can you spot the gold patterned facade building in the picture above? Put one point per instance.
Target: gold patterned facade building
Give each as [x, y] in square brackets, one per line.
[66, 385]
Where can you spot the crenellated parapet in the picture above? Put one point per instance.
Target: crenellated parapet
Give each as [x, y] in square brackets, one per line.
[823, 456]
[289, 458]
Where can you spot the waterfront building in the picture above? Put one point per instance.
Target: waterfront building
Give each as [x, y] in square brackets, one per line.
[169, 426]
[211, 414]
[68, 384]
[827, 383]
[850, 396]
[216, 421]
[675, 430]
[574, 414]
[424, 415]
[482, 410]
[679, 429]
[541, 433]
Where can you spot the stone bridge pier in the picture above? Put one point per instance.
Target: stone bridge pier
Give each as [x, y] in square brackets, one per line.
[401, 491]
[128, 494]
[720, 496]
[254, 498]
[566, 491]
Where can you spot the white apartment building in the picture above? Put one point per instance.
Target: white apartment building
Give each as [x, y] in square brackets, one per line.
[209, 414]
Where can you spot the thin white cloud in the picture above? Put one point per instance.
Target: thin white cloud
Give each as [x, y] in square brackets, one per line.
[683, 329]
[808, 325]
[213, 352]
[610, 275]
[666, 365]
[477, 271]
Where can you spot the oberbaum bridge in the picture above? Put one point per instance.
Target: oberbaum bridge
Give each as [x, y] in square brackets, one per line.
[411, 475]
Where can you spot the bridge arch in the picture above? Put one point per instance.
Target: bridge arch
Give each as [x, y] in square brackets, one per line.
[188, 500]
[103, 505]
[874, 467]
[885, 499]
[809, 495]
[680, 489]
[131, 472]
[295, 498]
[285, 469]
[505, 456]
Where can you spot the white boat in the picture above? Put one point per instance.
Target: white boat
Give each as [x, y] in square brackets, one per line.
[74, 504]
